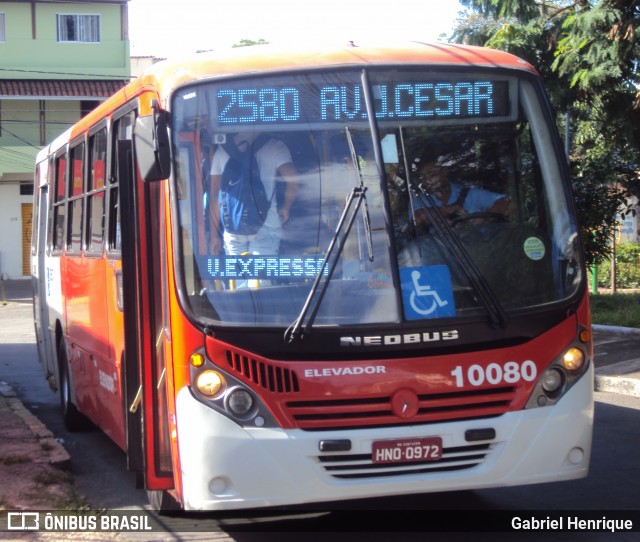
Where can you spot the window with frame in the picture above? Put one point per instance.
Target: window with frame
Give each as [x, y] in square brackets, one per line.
[75, 28]
[96, 190]
[3, 28]
[121, 165]
[58, 213]
[76, 200]
[41, 171]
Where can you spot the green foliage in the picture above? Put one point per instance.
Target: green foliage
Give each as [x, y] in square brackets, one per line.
[616, 310]
[591, 49]
[474, 29]
[587, 54]
[522, 11]
[627, 260]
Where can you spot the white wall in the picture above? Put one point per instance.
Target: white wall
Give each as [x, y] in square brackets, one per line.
[11, 230]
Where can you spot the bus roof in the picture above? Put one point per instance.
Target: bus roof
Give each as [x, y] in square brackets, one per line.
[263, 59]
[167, 75]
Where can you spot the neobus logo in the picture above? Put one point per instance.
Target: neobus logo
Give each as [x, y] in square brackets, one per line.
[394, 340]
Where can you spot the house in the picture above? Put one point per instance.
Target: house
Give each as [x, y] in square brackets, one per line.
[58, 60]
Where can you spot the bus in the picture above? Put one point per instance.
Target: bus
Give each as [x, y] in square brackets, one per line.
[351, 351]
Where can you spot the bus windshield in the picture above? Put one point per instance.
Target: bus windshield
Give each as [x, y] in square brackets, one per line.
[450, 202]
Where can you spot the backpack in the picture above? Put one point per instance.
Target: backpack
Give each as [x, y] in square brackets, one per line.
[243, 200]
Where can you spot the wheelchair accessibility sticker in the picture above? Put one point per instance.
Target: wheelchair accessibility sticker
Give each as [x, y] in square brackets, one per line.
[427, 292]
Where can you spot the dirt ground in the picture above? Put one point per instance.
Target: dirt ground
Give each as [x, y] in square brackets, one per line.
[33, 465]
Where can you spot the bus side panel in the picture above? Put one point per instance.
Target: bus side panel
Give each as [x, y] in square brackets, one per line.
[79, 328]
[96, 377]
[115, 399]
[107, 354]
[95, 360]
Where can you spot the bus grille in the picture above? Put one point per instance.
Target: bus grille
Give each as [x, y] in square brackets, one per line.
[269, 377]
[351, 413]
[352, 466]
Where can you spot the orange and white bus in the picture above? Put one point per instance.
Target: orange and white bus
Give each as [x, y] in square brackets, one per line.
[371, 332]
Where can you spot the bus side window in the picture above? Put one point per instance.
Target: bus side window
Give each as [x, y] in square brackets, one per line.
[76, 200]
[121, 161]
[96, 191]
[58, 215]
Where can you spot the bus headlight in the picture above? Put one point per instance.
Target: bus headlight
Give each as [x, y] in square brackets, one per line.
[210, 383]
[561, 374]
[240, 402]
[573, 359]
[551, 380]
[226, 394]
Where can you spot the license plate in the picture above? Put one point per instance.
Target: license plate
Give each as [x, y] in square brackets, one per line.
[407, 450]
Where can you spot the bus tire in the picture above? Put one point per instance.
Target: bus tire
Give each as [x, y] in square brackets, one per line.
[73, 419]
[161, 501]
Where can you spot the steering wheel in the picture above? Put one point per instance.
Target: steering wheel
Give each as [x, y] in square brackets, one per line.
[485, 216]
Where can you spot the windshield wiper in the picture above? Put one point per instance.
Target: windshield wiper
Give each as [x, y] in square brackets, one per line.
[360, 180]
[452, 241]
[355, 199]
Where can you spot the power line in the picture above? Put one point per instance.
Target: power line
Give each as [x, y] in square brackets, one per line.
[37, 122]
[19, 154]
[69, 74]
[16, 161]
[34, 112]
[20, 139]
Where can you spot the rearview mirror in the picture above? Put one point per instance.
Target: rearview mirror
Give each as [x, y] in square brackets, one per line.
[152, 146]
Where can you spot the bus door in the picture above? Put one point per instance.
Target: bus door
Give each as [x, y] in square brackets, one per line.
[148, 444]
[39, 278]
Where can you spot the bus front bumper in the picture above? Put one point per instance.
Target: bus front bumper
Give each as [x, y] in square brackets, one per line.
[225, 466]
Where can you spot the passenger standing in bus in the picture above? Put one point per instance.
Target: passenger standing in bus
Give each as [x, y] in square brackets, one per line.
[454, 200]
[274, 160]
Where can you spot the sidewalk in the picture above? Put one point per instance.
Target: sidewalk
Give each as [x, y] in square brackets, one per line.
[33, 464]
[15, 291]
[622, 377]
[27, 446]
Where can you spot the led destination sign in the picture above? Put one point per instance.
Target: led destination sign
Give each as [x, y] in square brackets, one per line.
[344, 102]
[261, 267]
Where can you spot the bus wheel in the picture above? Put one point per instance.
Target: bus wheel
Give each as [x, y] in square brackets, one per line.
[161, 501]
[73, 419]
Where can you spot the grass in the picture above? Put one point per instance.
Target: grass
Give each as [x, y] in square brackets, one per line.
[621, 309]
[52, 477]
[14, 459]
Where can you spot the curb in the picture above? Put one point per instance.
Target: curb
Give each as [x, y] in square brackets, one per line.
[58, 456]
[626, 381]
[618, 384]
[616, 329]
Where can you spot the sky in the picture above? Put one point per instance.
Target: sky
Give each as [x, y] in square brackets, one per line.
[165, 28]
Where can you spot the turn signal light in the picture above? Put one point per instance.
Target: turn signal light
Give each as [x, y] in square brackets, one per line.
[573, 359]
[585, 336]
[196, 360]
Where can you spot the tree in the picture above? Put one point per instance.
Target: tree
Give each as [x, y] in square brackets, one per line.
[588, 55]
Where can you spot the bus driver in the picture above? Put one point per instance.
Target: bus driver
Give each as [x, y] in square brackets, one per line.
[454, 200]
